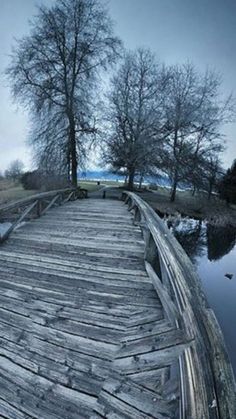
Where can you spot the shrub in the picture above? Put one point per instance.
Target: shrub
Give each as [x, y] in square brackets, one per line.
[30, 180]
[38, 180]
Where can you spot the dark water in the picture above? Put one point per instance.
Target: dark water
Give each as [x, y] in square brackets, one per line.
[213, 252]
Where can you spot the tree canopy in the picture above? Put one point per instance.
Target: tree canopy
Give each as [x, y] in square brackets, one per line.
[14, 170]
[156, 118]
[134, 115]
[54, 73]
[166, 119]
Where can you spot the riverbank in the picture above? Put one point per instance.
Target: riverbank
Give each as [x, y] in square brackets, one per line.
[214, 211]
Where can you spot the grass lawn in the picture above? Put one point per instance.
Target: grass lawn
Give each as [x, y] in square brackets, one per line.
[10, 192]
[13, 193]
[92, 186]
[199, 206]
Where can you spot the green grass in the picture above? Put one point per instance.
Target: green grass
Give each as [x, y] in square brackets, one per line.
[6, 184]
[198, 206]
[92, 186]
[10, 192]
[13, 194]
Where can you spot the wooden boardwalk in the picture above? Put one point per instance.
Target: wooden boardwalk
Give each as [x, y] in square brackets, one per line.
[83, 331]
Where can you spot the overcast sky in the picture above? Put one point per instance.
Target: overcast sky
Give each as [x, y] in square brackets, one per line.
[202, 31]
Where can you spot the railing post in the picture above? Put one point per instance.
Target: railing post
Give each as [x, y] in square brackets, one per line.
[39, 208]
[60, 199]
[137, 215]
[150, 248]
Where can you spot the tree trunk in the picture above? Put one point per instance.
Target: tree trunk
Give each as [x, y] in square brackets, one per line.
[140, 182]
[73, 153]
[175, 181]
[174, 188]
[130, 185]
[68, 167]
[210, 192]
[194, 190]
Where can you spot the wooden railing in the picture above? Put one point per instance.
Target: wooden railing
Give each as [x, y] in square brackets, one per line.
[35, 206]
[207, 380]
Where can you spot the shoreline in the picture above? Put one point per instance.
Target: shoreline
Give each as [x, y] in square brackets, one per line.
[213, 211]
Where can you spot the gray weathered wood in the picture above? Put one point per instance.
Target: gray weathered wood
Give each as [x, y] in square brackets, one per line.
[29, 204]
[203, 374]
[91, 325]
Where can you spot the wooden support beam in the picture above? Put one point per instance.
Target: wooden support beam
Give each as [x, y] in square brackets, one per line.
[39, 208]
[22, 217]
[53, 201]
[68, 198]
[169, 306]
[38, 200]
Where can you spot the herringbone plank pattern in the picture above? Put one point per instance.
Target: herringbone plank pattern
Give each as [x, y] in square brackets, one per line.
[83, 332]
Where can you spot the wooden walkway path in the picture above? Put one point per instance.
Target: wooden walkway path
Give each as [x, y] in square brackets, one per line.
[88, 330]
[83, 332]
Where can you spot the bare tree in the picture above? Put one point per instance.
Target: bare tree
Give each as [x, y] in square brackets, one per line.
[134, 115]
[194, 114]
[205, 173]
[227, 185]
[54, 72]
[15, 170]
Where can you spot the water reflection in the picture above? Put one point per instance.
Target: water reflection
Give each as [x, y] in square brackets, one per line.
[220, 241]
[199, 238]
[213, 251]
[191, 234]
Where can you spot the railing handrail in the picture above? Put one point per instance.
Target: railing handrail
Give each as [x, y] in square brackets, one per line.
[210, 388]
[39, 203]
[24, 201]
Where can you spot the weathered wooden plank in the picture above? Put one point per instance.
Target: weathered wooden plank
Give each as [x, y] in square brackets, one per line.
[150, 360]
[100, 258]
[223, 372]
[144, 400]
[154, 379]
[62, 263]
[111, 244]
[83, 236]
[63, 318]
[148, 329]
[51, 273]
[199, 395]
[77, 306]
[148, 344]
[10, 412]
[69, 283]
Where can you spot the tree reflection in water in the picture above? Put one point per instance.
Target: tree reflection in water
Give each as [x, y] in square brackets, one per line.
[211, 250]
[199, 238]
[220, 241]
